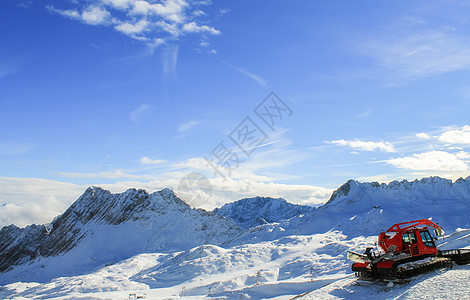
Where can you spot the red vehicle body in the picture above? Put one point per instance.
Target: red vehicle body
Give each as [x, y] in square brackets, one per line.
[412, 238]
[402, 243]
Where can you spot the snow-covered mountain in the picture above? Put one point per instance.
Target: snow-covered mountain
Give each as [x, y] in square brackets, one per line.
[101, 227]
[358, 209]
[294, 252]
[369, 207]
[251, 212]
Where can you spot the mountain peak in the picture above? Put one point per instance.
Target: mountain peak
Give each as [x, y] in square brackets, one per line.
[251, 212]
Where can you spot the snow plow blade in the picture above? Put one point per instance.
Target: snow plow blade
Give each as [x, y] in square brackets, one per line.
[356, 257]
[459, 256]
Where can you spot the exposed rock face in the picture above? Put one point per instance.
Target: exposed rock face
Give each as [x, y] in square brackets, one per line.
[124, 224]
[426, 189]
[251, 212]
[18, 245]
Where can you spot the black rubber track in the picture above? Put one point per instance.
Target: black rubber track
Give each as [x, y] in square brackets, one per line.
[438, 263]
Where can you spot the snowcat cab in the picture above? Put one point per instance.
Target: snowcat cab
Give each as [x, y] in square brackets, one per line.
[410, 238]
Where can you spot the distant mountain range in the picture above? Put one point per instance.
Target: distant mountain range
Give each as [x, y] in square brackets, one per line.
[102, 228]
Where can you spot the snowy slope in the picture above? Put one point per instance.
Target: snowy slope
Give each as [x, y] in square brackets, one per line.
[439, 284]
[251, 212]
[267, 269]
[314, 265]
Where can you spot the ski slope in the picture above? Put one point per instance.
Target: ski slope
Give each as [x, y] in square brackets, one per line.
[280, 269]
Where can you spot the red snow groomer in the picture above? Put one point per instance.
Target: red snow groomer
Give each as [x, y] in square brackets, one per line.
[410, 249]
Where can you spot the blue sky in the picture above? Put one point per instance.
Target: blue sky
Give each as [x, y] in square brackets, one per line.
[134, 93]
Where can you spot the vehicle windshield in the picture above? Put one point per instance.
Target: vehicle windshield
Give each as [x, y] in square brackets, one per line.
[427, 239]
[409, 238]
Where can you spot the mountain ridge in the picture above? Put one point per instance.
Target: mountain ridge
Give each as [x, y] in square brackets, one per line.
[102, 224]
[102, 227]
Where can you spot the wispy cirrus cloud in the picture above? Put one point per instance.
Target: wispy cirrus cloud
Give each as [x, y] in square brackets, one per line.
[187, 126]
[13, 148]
[248, 74]
[419, 43]
[112, 174]
[138, 113]
[169, 62]
[153, 22]
[422, 54]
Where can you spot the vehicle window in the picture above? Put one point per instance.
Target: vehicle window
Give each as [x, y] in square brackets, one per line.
[406, 238]
[427, 239]
[412, 237]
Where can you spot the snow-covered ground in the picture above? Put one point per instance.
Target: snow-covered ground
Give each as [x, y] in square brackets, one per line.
[451, 284]
[279, 269]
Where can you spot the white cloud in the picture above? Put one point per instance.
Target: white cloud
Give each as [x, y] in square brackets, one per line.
[423, 136]
[364, 145]
[91, 15]
[187, 126]
[144, 20]
[137, 114]
[172, 10]
[155, 43]
[148, 161]
[118, 4]
[70, 13]
[95, 15]
[193, 27]
[197, 163]
[234, 189]
[456, 136]
[433, 161]
[132, 29]
[30, 200]
[224, 11]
